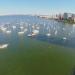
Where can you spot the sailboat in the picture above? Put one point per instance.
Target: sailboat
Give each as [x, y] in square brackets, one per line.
[34, 32]
[21, 32]
[3, 29]
[48, 34]
[56, 32]
[3, 46]
[64, 38]
[14, 27]
[8, 31]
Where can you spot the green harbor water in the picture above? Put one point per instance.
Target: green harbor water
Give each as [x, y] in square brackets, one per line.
[27, 56]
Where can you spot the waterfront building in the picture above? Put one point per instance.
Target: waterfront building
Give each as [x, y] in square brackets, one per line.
[65, 16]
[74, 19]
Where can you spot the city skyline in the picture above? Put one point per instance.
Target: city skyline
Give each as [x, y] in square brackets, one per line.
[42, 7]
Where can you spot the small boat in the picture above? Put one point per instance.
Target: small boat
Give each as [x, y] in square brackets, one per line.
[29, 35]
[64, 38]
[21, 27]
[3, 46]
[25, 30]
[37, 28]
[56, 32]
[8, 32]
[14, 27]
[73, 25]
[34, 33]
[3, 29]
[20, 33]
[48, 34]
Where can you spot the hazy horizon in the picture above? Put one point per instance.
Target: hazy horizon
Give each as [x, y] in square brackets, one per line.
[36, 7]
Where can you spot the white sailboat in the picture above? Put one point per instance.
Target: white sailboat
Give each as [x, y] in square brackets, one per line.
[3, 29]
[48, 34]
[8, 31]
[34, 31]
[30, 34]
[25, 30]
[21, 32]
[64, 38]
[56, 32]
[73, 25]
[3, 46]
[14, 27]
[21, 27]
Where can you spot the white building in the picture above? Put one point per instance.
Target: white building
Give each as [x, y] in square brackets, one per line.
[67, 15]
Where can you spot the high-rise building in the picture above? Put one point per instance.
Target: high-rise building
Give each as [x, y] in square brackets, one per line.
[65, 16]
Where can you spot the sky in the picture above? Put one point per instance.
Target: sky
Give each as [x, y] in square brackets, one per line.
[38, 7]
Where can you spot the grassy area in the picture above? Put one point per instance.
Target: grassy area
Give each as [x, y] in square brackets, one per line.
[69, 21]
[32, 57]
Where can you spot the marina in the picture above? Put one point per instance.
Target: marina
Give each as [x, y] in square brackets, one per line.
[45, 28]
[37, 46]
[37, 37]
